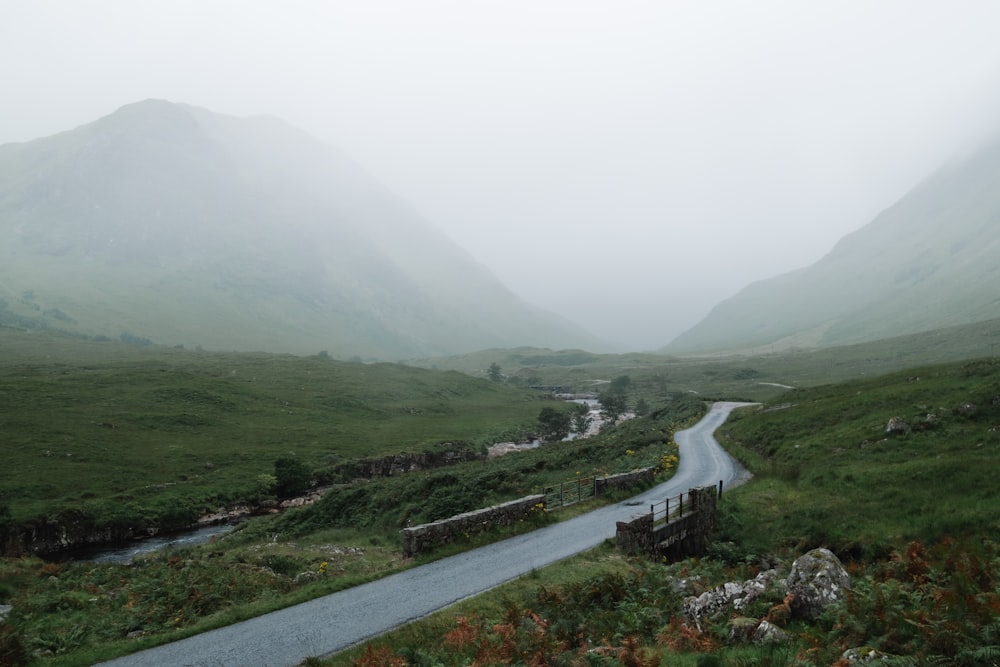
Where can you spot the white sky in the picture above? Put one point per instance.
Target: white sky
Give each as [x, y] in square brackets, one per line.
[625, 164]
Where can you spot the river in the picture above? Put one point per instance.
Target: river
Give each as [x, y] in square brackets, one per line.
[125, 553]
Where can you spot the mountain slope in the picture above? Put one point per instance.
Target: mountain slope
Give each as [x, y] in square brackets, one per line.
[932, 260]
[167, 222]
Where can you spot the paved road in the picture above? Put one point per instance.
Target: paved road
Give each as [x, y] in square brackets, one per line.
[340, 620]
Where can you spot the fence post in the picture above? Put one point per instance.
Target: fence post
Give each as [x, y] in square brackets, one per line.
[680, 499]
[666, 509]
[720, 488]
[579, 490]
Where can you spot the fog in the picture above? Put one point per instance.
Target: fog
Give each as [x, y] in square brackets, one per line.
[625, 164]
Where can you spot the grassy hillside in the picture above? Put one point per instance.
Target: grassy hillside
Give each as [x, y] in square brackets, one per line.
[80, 613]
[182, 226]
[127, 432]
[828, 473]
[913, 515]
[928, 261]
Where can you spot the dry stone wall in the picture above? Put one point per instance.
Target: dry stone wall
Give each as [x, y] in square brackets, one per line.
[425, 537]
[623, 481]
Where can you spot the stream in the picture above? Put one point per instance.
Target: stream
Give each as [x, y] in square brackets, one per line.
[124, 554]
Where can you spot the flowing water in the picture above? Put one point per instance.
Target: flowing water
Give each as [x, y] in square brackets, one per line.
[125, 553]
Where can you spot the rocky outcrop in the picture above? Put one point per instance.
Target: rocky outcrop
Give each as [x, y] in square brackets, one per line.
[864, 655]
[729, 597]
[816, 581]
[398, 464]
[67, 531]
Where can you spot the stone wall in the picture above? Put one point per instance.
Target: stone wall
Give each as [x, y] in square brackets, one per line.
[422, 538]
[635, 536]
[623, 480]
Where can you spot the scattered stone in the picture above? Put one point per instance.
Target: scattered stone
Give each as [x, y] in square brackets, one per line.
[730, 595]
[817, 580]
[135, 634]
[864, 655]
[5, 610]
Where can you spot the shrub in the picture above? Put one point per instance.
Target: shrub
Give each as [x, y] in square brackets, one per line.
[292, 477]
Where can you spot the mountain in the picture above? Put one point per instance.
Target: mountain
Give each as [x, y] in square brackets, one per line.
[168, 223]
[931, 260]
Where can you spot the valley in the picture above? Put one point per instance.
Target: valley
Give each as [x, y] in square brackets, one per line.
[203, 314]
[351, 535]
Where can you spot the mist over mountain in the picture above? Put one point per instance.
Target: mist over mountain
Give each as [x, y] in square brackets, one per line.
[931, 260]
[170, 223]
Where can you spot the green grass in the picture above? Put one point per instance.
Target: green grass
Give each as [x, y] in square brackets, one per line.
[115, 430]
[175, 410]
[828, 474]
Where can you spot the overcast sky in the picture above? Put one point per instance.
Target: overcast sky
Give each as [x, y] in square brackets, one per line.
[625, 164]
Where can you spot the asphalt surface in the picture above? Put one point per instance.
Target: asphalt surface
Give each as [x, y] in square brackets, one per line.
[335, 622]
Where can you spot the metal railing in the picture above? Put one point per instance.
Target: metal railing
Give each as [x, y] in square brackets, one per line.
[669, 509]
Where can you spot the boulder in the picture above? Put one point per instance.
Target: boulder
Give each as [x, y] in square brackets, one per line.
[742, 629]
[816, 581]
[769, 633]
[897, 426]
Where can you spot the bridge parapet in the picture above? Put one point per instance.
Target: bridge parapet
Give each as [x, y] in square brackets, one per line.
[675, 528]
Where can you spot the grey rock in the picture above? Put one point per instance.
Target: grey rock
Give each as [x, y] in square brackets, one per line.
[897, 425]
[864, 655]
[742, 629]
[817, 580]
[731, 595]
[769, 633]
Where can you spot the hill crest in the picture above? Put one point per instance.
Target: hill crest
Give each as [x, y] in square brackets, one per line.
[927, 262]
[171, 223]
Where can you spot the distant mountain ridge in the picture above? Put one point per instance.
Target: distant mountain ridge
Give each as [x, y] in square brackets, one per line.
[170, 223]
[932, 260]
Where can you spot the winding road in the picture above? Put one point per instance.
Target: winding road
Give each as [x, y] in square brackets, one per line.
[335, 622]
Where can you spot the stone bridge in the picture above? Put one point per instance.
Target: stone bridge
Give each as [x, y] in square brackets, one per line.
[678, 530]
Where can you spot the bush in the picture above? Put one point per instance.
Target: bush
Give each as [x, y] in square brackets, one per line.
[292, 477]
